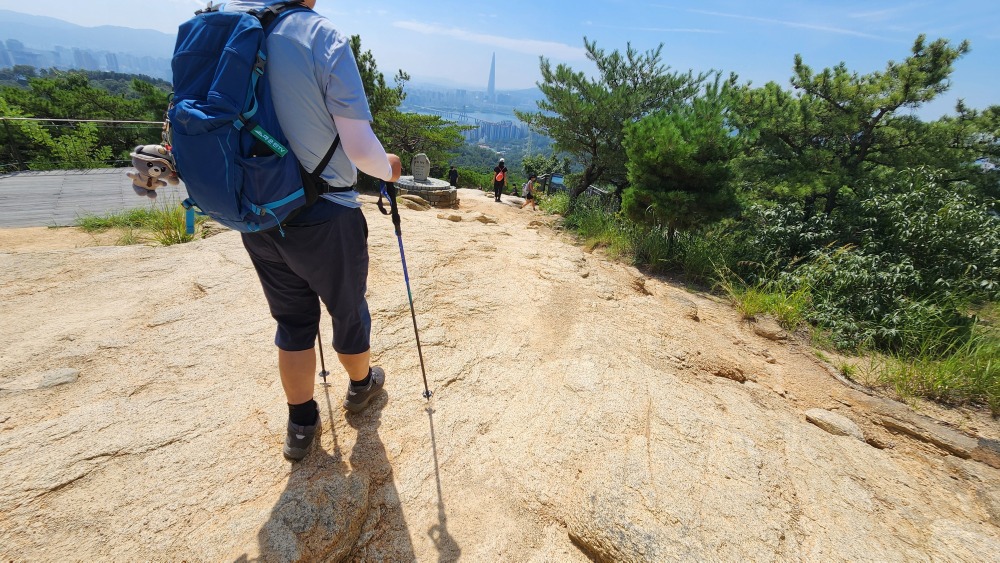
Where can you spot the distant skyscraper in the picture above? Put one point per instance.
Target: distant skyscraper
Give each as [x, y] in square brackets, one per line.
[491, 90]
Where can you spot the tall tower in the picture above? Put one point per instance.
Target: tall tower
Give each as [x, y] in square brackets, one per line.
[491, 90]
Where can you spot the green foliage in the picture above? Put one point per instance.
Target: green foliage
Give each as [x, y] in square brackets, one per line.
[164, 223]
[839, 127]
[114, 82]
[382, 98]
[76, 147]
[679, 164]
[475, 179]
[17, 75]
[868, 300]
[951, 239]
[967, 372]
[557, 203]
[597, 223]
[786, 304]
[169, 225]
[73, 95]
[472, 157]
[704, 255]
[586, 116]
[409, 134]
[541, 164]
[137, 218]
[910, 258]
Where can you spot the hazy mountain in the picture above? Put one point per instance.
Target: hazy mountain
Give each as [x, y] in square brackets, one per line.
[38, 32]
[147, 51]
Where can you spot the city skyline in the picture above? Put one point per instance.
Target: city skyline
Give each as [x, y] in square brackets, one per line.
[14, 52]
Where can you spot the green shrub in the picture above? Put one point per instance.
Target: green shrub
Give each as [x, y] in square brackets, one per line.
[475, 179]
[877, 301]
[556, 203]
[950, 239]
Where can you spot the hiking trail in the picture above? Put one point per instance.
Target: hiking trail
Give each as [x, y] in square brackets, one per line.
[581, 411]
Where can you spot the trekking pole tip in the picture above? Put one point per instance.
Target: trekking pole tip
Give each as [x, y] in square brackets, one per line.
[428, 394]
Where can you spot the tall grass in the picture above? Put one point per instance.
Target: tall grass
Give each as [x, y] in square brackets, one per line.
[967, 373]
[163, 222]
[788, 305]
[556, 203]
[599, 226]
[699, 256]
[138, 218]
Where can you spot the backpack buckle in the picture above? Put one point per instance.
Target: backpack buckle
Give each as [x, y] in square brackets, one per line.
[208, 9]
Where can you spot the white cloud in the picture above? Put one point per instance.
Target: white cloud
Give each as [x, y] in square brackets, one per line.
[657, 29]
[549, 49]
[799, 25]
[877, 16]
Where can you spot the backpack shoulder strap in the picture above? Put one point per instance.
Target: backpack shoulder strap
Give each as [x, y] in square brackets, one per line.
[326, 160]
[268, 15]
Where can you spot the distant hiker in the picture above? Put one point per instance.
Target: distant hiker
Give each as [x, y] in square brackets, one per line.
[453, 177]
[499, 179]
[528, 192]
[322, 255]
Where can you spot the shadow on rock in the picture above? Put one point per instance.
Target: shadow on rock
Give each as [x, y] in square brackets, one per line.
[447, 547]
[385, 520]
[330, 511]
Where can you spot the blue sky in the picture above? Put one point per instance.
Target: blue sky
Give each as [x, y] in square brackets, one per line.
[452, 41]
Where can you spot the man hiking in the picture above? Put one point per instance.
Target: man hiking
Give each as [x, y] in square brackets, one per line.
[322, 254]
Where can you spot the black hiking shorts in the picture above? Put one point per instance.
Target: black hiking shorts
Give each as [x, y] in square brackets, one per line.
[322, 257]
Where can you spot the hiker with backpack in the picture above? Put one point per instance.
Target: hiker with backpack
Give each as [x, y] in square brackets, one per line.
[528, 192]
[499, 179]
[308, 243]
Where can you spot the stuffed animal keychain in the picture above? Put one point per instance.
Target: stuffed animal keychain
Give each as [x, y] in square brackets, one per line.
[153, 169]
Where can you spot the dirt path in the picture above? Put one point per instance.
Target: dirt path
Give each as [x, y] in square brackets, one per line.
[581, 410]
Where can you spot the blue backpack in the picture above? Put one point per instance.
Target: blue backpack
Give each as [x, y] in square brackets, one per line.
[224, 133]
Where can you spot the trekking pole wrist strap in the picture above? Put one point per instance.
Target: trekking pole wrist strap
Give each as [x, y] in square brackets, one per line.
[388, 191]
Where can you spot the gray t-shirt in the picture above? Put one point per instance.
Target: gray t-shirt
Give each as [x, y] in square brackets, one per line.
[313, 76]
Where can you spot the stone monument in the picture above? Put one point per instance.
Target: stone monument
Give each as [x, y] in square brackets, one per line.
[421, 167]
[438, 193]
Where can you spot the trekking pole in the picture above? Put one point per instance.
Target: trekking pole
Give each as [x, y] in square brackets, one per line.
[388, 191]
[322, 362]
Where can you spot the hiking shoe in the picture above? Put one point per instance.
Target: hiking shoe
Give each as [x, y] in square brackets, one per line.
[299, 438]
[358, 399]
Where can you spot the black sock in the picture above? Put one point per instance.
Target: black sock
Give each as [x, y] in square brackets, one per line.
[364, 382]
[304, 414]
